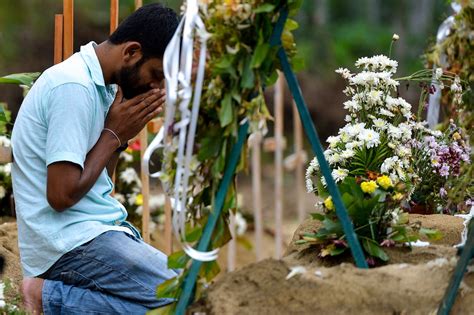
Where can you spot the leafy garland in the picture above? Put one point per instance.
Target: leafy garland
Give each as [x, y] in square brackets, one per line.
[240, 64]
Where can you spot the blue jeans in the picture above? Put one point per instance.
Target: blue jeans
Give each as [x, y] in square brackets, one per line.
[115, 273]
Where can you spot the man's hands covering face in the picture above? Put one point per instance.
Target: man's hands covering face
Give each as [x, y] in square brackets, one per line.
[127, 117]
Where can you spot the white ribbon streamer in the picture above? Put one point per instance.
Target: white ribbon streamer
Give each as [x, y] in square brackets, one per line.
[177, 66]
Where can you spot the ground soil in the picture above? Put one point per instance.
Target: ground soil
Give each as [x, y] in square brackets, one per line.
[413, 283]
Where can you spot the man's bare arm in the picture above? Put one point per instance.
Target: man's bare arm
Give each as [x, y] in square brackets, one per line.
[67, 183]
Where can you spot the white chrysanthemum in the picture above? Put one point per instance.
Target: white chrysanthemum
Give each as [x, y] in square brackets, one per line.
[374, 97]
[384, 112]
[333, 140]
[157, 201]
[339, 174]
[406, 131]
[380, 123]
[352, 106]
[388, 164]
[334, 158]
[348, 91]
[354, 145]
[127, 157]
[129, 175]
[394, 132]
[370, 137]
[438, 73]
[347, 154]
[7, 169]
[345, 73]
[377, 63]
[353, 130]
[456, 86]
[403, 151]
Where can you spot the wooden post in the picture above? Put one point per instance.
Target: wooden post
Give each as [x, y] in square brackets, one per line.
[279, 104]
[138, 4]
[145, 189]
[114, 15]
[168, 227]
[299, 170]
[58, 38]
[256, 145]
[68, 28]
[231, 248]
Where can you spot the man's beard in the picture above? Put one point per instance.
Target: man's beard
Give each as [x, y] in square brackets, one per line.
[128, 79]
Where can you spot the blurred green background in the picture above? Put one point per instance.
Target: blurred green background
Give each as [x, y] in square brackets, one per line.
[332, 33]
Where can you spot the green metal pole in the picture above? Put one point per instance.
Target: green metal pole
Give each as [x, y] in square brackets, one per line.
[452, 290]
[190, 281]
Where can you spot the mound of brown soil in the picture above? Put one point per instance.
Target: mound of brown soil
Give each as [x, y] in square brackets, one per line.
[413, 283]
[261, 288]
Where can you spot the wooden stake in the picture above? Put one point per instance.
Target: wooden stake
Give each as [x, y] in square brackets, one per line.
[168, 227]
[114, 15]
[279, 104]
[256, 146]
[138, 4]
[231, 248]
[58, 38]
[68, 28]
[299, 171]
[145, 189]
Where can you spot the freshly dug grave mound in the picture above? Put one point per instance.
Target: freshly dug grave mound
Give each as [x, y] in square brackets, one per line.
[413, 283]
[261, 288]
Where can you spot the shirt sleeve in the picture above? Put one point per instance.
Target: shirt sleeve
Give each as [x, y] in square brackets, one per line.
[70, 114]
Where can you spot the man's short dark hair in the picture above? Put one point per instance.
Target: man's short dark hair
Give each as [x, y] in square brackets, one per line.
[152, 26]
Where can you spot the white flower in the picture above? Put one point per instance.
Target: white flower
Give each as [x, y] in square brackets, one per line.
[388, 164]
[380, 123]
[334, 158]
[353, 130]
[332, 140]
[352, 106]
[370, 137]
[456, 86]
[339, 174]
[395, 37]
[345, 73]
[129, 175]
[127, 157]
[309, 185]
[3, 192]
[385, 112]
[240, 224]
[374, 96]
[132, 198]
[377, 63]
[394, 132]
[347, 154]
[438, 73]
[7, 169]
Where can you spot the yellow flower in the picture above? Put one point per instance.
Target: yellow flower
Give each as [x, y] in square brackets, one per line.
[129, 150]
[328, 203]
[385, 182]
[369, 187]
[456, 136]
[139, 200]
[397, 196]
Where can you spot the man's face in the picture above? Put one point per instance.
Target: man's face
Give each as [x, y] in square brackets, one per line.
[140, 77]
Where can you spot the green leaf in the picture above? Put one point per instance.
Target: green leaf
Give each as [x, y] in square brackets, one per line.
[337, 251]
[270, 80]
[317, 216]
[332, 226]
[169, 309]
[178, 260]
[168, 289]
[209, 270]
[265, 8]
[3, 118]
[244, 242]
[210, 144]
[433, 235]
[193, 235]
[248, 76]
[291, 25]
[225, 112]
[20, 78]
[224, 63]
[259, 55]
[373, 249]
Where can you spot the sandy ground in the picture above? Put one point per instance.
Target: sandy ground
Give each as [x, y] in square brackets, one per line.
[413, 283]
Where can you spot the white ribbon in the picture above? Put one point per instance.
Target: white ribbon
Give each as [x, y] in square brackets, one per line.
[467, 218]
[444, 31]
[177, 66]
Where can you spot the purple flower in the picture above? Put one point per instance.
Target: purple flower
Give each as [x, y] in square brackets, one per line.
[370, 262]
[442, 192]
[340, 243]
[444, 170]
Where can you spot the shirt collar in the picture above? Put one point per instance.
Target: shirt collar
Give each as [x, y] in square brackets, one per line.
[89, 56]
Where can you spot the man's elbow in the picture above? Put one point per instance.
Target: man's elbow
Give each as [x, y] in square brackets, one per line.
[60, 203]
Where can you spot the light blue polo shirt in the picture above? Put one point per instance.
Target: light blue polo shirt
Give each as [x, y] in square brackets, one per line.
[61, 119]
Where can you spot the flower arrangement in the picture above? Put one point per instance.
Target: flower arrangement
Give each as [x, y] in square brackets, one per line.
[373, 162]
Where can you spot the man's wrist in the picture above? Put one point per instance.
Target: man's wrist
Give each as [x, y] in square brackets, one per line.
[122, 148]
